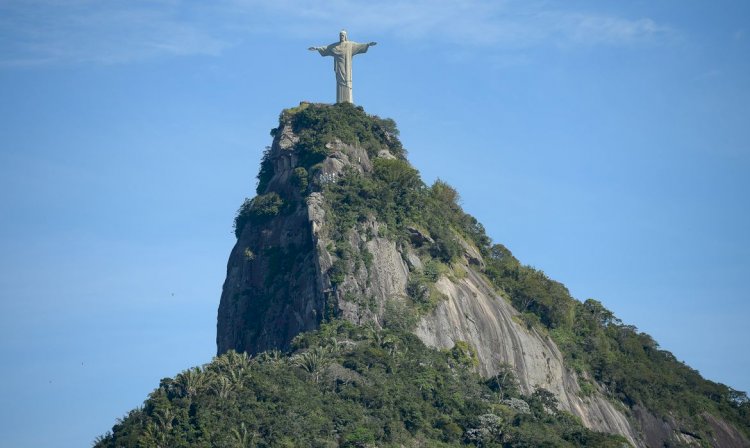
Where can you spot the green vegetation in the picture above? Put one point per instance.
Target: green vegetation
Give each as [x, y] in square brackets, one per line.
[421, 287]
[464, 354]
[396, 197]
[357, 387]
[300, 179]
[392, 194]
[627, 362]
[257, 210]
[346, 386]
[318, 125]
[265, 174]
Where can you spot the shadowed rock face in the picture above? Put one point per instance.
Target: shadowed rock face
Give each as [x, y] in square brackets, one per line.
[278, 284]
[271, 291]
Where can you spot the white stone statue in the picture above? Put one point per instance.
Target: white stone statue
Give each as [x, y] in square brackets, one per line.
[342, 52]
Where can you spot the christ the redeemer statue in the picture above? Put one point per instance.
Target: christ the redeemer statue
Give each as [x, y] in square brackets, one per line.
[342, 52]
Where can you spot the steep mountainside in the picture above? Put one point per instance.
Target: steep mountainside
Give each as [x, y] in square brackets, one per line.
[364, 237]
[343, 230]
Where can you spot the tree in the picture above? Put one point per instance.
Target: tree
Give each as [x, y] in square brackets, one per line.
[504, 382]
[543, 401]
[601, 315]
[488, 430]
[191, 381]
[312, 361]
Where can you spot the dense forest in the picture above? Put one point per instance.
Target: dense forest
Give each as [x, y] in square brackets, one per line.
[351, 386]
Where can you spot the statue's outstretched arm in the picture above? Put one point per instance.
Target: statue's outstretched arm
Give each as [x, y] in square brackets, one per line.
[322, 50]
[361, 48]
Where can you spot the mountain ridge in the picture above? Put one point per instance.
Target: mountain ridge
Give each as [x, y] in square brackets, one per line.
[343, 229]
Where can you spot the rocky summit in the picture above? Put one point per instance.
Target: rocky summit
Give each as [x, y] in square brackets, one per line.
[363, 308]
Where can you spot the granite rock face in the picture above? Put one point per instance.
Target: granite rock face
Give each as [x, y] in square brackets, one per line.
[474, 313]
[282, 280]
[278, 276]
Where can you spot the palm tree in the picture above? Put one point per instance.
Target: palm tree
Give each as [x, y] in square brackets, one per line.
[222, 387]
[390, 344]
[242, 438]
[232, 360]
[101, 439]
[233, 367]
[191, 381]
[271, 356]
[312, 361]
[164, 418]
[153, 437]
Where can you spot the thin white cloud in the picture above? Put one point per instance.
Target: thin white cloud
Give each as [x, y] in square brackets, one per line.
[40, 32]
[505, 23]
[598, 29]
[84, 31]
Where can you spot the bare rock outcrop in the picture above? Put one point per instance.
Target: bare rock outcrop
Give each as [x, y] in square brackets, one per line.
[474, 313]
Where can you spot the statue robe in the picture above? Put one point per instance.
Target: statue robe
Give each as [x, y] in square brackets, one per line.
[342, 53]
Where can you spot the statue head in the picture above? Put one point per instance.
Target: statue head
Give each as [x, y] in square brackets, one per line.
[342, 36]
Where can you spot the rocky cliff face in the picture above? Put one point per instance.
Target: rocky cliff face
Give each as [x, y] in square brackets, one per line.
[474, 313]
[278, 276]
[290, 270]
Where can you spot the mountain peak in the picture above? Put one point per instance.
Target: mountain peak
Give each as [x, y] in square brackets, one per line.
[343, 227]
[351, 270]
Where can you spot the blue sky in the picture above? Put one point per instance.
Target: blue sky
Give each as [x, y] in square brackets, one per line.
[606, 143]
